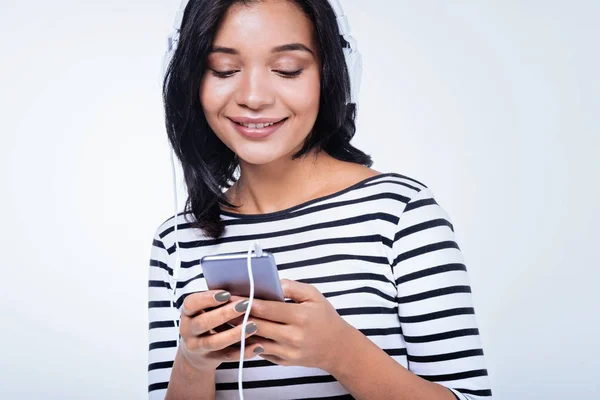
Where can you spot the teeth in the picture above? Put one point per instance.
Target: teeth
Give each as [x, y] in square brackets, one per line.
[257, 126]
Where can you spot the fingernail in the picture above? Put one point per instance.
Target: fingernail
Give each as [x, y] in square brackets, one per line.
[258, 350]
[222, 296]
[242, 307]
[251, 328]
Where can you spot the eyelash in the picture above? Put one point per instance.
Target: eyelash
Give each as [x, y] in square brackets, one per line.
[290, 74]
[284, 74]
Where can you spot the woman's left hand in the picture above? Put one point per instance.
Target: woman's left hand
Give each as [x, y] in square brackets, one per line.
[309, 333]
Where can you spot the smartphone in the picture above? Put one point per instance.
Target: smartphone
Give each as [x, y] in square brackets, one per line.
[230, 272]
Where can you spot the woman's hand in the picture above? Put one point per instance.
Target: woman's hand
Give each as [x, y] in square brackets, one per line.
[309, 333]
[200, 345]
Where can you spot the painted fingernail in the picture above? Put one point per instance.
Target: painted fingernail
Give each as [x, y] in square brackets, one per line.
[258, 350]
[242, 307]
[222, 296]
[251, 328]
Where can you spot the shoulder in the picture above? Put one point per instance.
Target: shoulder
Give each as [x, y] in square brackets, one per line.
[402, 194]
[351, 175]
[405, 186]
[165, 229]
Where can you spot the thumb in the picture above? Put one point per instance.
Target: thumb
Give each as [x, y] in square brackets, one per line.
[299, 292]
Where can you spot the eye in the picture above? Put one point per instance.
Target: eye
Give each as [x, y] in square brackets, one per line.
[289, 74]
[223, 74]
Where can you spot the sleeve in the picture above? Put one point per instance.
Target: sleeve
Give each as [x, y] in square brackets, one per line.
[162, 313]
[435, 304]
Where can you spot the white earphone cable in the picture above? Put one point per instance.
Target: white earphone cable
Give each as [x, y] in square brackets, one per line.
[177, 266]
[258, 252]
[354, 64]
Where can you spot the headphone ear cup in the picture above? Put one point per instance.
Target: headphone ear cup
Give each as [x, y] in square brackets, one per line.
[165, 62]
[173, 41]
[354, 64]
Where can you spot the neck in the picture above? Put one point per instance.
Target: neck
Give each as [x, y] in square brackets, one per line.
[281, 184]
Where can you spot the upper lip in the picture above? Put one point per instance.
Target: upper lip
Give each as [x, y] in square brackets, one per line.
[251, 120]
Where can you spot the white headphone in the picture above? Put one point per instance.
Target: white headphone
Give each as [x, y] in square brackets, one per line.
[351, 54]
[354, 64]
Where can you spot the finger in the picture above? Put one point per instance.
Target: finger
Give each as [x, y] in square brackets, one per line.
[299, 292]
[197, 302]
[273, 348]
[275, 331]
[237, 321]
[253, 348]
[212, 319]
[266, 309]
[275, 359]
[220, 341]
[277, 353]
[235, 299]
[274, 311]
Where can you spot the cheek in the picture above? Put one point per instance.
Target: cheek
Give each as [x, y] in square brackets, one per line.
[205, 99]
[303, 99]
[213, 96]
[213, 99]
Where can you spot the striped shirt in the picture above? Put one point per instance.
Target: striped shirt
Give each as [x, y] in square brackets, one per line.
[382, 252]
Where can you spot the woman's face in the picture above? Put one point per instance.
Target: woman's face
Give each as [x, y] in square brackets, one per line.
[262, 69]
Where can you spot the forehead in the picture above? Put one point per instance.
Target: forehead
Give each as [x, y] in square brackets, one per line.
[264, 23]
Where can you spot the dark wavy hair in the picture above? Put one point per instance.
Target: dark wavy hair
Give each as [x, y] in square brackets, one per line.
[208, 164]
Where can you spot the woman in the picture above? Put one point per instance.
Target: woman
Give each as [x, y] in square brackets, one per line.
[382, 308]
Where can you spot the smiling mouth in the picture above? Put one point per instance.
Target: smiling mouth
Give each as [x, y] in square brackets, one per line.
[258, 130]
[258, 125]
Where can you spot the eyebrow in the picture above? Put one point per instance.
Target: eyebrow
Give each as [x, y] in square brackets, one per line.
[291, 47]
[278, 49]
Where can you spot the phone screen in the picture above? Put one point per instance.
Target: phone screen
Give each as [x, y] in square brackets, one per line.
[230, 272]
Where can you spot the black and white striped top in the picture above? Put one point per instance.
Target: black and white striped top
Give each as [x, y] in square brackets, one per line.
[382, 251]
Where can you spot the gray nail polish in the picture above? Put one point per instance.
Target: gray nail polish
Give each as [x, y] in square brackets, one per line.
[242, 307]
[251, 328]
[258, 350]
[222, 296]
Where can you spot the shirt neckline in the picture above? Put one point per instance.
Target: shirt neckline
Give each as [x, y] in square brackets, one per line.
[306, 203]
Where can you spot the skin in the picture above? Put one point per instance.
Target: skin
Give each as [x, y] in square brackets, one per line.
[256, 86]
[306, 333]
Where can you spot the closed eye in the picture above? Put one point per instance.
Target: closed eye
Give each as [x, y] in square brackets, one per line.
[228, 74]
[289, 74]
[223, 74]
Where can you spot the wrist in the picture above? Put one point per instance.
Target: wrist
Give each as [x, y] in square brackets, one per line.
[187, 381]
[344, 352]
[191, 367]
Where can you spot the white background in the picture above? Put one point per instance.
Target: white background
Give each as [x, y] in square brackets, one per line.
[491, 104]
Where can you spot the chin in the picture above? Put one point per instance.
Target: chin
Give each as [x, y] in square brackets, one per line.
[263, 155]
[258, 157]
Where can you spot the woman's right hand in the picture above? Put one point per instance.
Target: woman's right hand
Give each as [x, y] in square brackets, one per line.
[201, 346]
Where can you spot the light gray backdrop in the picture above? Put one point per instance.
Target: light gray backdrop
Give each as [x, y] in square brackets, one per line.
[489, 103]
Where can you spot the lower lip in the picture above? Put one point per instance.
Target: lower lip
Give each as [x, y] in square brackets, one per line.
[258, 133]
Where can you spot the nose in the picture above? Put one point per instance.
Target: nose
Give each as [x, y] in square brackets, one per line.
[255, 90]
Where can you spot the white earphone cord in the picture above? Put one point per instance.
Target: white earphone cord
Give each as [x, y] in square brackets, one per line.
[354, 64]
[177, 259]
[258, 251]
[254, 247]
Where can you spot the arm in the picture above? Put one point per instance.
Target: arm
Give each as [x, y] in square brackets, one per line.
[167, 368]
[188, 382]
[436, 315]
[435, 312]
[435, 304]
[375, 375]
